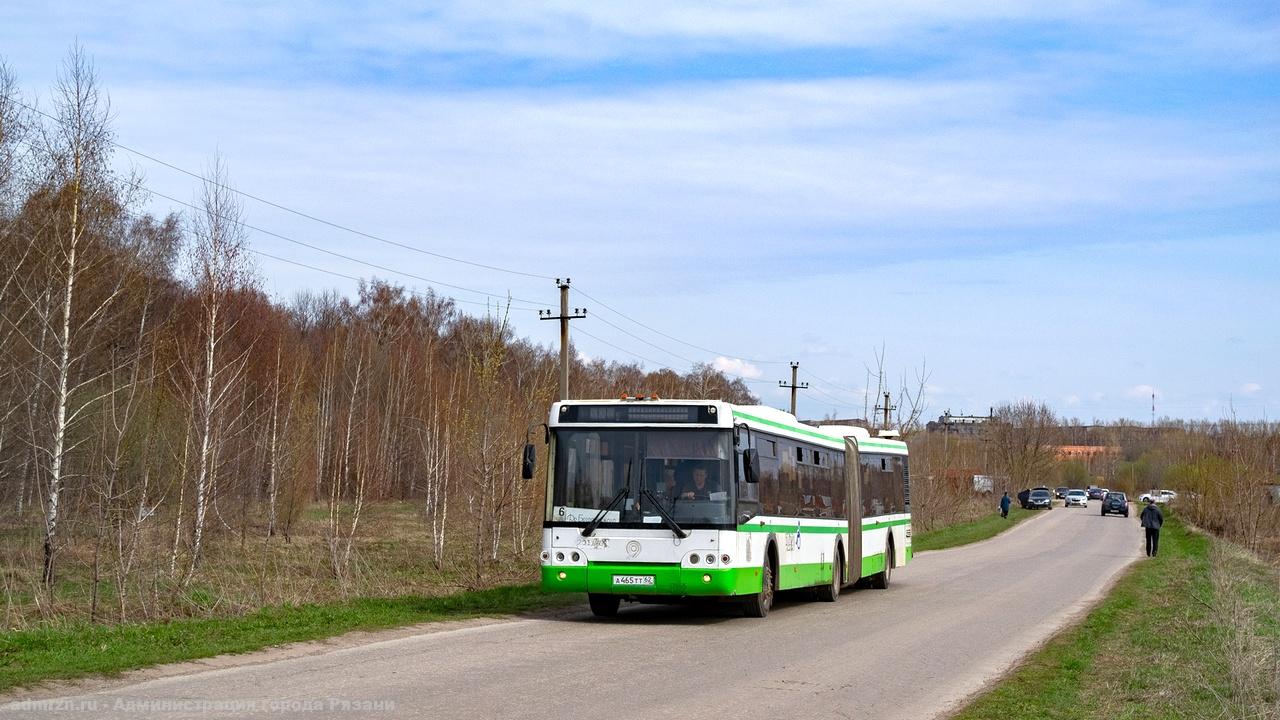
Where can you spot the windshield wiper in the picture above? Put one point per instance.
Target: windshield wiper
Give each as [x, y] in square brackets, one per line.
[670, 521]
[599, 518]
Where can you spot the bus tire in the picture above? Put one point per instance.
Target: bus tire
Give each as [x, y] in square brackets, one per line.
[831, 591]
[758, 605]
[880, 581]
[603, 606]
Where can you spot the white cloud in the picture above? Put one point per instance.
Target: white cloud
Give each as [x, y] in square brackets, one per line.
[734, 366]
[1140, 391]
[1250, 388]
[1071, 400]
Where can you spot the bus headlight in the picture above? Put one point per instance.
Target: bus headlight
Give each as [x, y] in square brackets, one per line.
[693, 559]
[546, 556]
[559, 557]
[724, 559]
[563, 575]
[711, 559]
[706, 578]
[576, 556]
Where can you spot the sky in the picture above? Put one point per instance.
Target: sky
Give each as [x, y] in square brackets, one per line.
[1073, 202]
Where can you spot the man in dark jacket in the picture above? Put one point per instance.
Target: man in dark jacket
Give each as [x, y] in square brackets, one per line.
[1152, 519]
[1005, 502]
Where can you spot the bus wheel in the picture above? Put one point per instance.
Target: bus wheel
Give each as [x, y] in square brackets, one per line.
[831, 591]
[757, 606]
[604, 606]
[880, 580]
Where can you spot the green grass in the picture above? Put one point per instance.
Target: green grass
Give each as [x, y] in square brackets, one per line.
[1160, 645]
[969, 532]
[76, 650]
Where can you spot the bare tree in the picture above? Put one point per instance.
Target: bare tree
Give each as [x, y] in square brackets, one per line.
[1024, 436]
[79, 195]
[219, 266]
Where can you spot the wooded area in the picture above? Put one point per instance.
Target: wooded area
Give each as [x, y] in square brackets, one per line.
[156, 406]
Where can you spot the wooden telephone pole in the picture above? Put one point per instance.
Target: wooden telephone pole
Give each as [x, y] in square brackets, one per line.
[564, 317]
[795, 366]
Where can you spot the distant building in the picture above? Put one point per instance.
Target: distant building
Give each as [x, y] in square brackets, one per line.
[958, 424]
[1086, 452]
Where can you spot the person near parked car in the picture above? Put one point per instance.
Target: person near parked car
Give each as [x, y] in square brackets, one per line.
[1152, 519]
[1005, 502]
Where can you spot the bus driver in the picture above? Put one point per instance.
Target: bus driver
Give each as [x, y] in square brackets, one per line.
[698, 488]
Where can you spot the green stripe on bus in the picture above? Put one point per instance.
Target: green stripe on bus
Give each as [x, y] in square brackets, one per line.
[872, 565]
[785, 528]
[806, 529]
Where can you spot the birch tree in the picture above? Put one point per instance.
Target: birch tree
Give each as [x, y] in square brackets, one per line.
[219, 266]
[79, 194]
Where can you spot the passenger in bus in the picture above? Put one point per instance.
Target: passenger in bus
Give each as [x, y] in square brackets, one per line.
[699, 487]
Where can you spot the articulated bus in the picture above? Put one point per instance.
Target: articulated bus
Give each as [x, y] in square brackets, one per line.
[658, 500]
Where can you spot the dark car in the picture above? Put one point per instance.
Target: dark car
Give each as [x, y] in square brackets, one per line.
[1061, 492]
[1096, 493]
[1040, 499]
[1117, 503]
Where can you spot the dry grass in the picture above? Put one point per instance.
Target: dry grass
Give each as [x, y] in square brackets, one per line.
[242, 572]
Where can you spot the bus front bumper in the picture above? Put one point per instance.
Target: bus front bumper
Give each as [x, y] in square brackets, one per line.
[667, 579]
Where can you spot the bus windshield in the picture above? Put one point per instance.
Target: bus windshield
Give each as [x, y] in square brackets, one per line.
[688, 472]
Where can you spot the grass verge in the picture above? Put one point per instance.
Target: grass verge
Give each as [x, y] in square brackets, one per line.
[969, 532]
[1191, 633]
[77, 650]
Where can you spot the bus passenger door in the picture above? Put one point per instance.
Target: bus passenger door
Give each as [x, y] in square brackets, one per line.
[853, 503]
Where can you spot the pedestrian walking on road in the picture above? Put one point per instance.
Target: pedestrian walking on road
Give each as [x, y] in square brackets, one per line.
[1152, 519]
[1005, 502]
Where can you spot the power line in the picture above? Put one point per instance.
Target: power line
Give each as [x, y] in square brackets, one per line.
[413, 248]
[298, 213]
[663, 365]
[828, 383]
[360, 279]
[673, 338]
[348, 258]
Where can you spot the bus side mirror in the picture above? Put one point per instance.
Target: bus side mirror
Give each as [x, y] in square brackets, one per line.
[751, 465]
[530, 459]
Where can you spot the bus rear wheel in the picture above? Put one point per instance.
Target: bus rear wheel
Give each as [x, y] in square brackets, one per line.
[831, 591]
[758, 605]
[603, 606]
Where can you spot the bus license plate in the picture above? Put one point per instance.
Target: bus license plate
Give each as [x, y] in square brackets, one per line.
[632, 579]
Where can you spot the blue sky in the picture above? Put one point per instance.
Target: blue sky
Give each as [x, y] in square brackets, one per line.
[1073, 202]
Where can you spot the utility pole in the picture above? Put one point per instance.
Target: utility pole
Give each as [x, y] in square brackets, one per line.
[887, 408]
[564, 317]
[795, 366]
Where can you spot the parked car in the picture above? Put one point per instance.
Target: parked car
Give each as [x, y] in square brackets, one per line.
[1096, 493]
[1115, 503]
[1040, 498]
[1160, 496]
[1077, 498]
[1061, 492]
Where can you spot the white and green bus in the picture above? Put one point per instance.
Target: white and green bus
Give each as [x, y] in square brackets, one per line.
[657, 500]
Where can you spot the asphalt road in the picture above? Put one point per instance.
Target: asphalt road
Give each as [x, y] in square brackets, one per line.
[951, 622]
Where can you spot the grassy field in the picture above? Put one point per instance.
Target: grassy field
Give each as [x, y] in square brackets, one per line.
[76, 650]
[1191, 633]
[969, 532]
